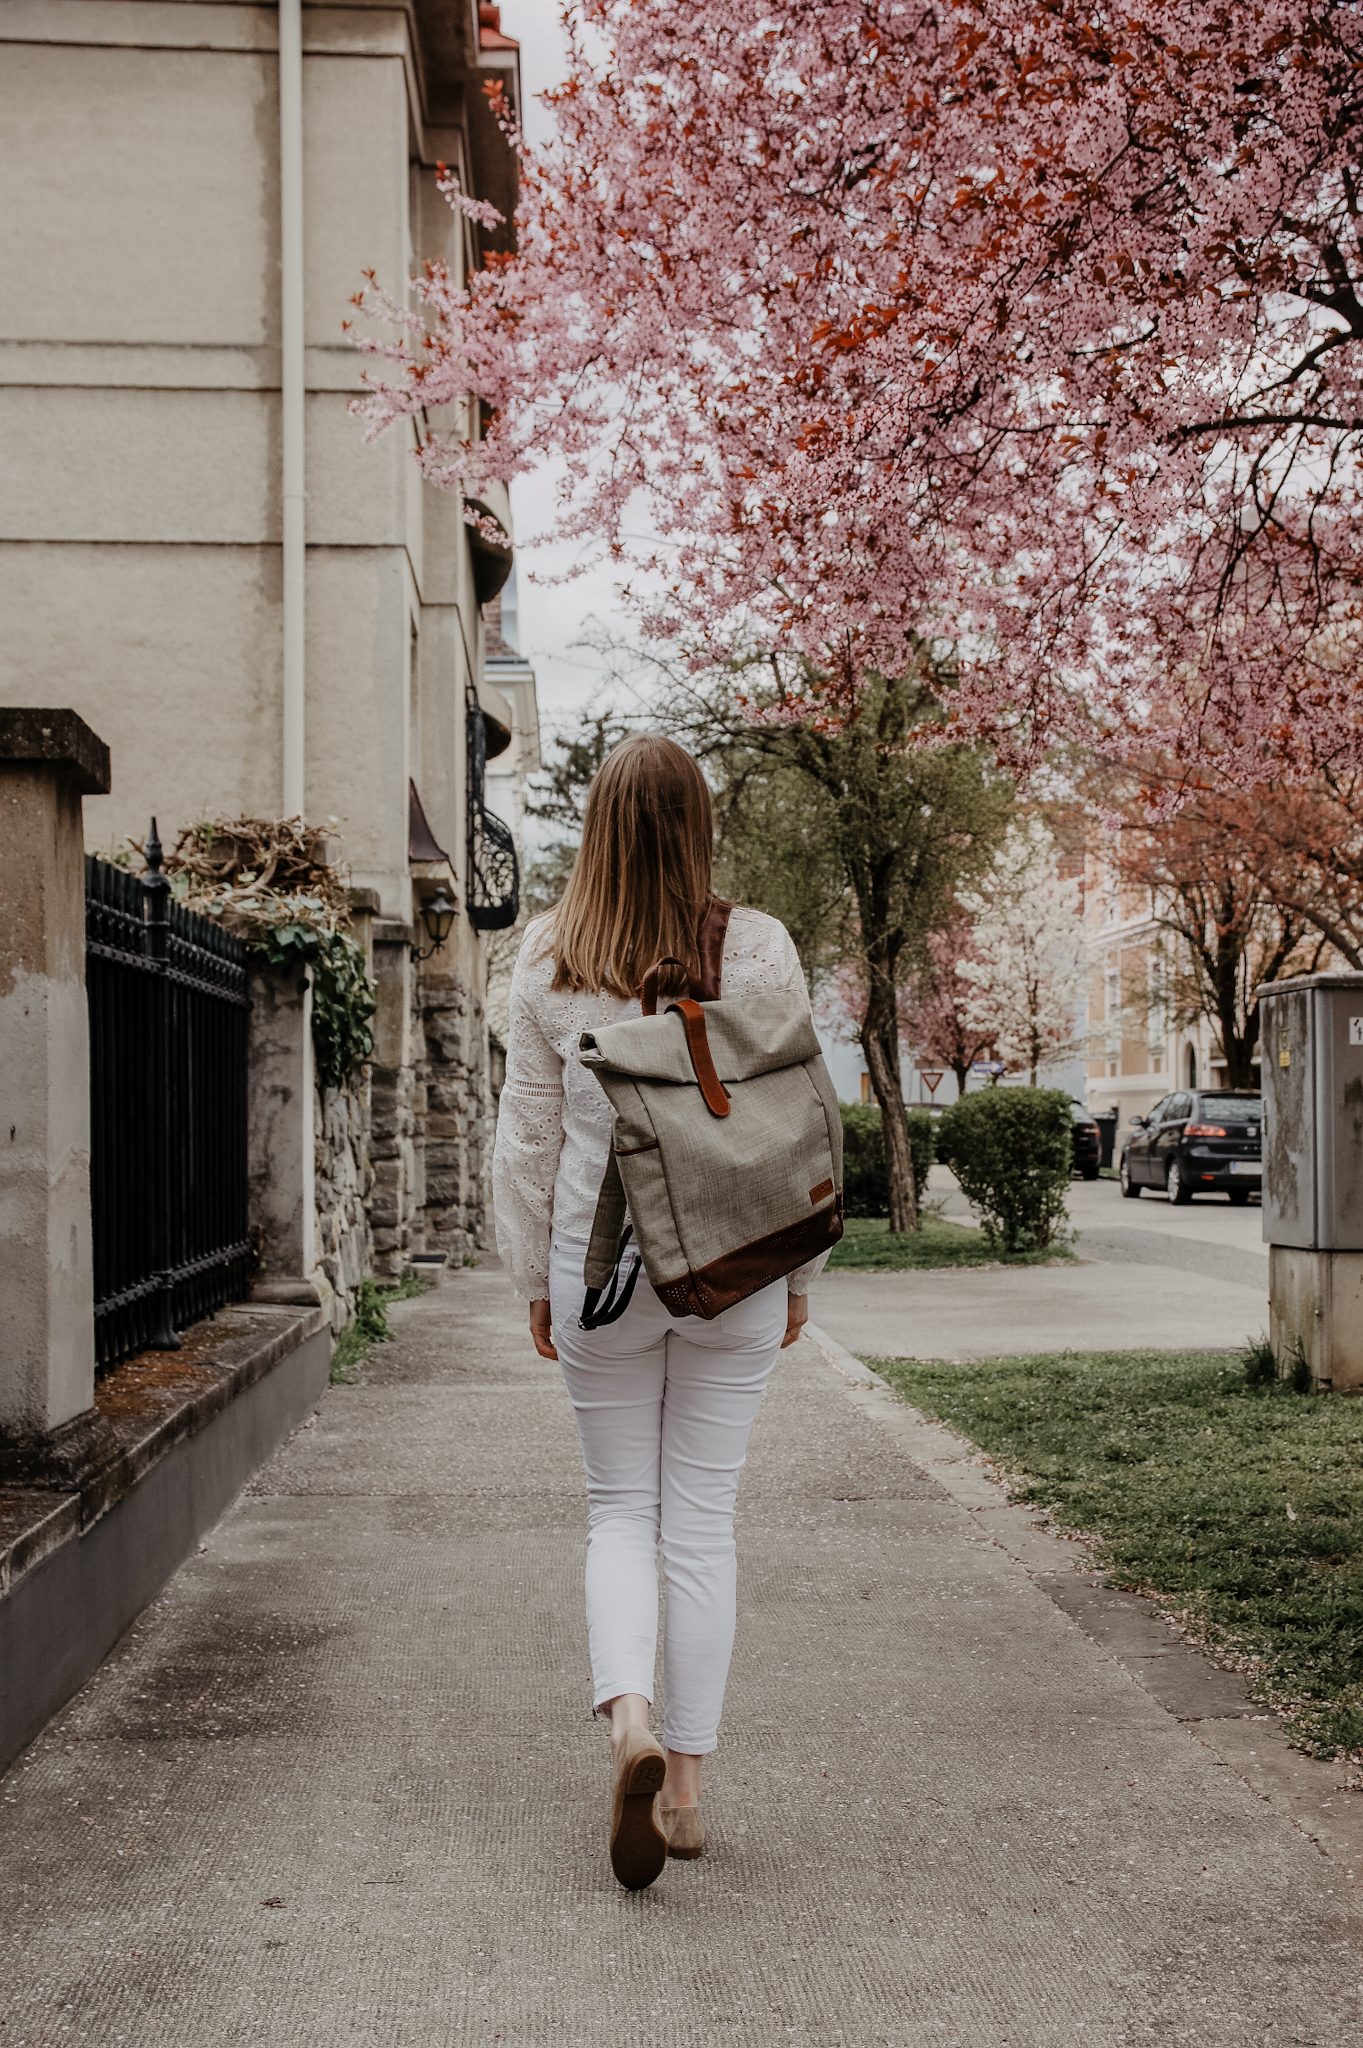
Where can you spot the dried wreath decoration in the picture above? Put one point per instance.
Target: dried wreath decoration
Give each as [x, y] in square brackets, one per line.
[255, 873]
[270, 881]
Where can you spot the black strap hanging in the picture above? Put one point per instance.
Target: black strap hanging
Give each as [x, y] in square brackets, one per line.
[596, 1311]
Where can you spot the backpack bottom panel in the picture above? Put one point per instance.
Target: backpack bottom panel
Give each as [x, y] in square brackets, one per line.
[751, 1267]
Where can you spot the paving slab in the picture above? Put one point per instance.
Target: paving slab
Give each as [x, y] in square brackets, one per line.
[341, 1784]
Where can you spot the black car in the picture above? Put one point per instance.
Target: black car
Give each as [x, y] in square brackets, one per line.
[1196, 1142]
[1088, 1142]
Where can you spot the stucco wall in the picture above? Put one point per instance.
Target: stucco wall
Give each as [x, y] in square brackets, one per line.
[140, 531]
[140, 411]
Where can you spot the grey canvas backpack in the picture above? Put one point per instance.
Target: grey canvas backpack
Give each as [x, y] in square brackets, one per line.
[726, 1151]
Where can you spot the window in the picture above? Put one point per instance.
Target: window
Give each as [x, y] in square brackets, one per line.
[1232, 1109]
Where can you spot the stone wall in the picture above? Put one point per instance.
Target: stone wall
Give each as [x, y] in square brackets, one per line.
[394, 1104]
[452, 1079]
[343, 1179]
[429, 1133]
[392, 1156]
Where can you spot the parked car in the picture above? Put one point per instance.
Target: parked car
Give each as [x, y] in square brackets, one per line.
[1196, 1142]
[1088, 1142]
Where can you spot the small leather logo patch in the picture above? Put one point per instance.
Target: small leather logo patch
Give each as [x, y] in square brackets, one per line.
[821, 1192]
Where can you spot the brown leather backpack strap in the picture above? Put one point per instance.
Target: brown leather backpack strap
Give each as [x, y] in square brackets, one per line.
[648, 994]
[698, 1045]
[710, 946]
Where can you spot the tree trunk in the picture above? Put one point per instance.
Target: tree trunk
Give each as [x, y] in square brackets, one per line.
[894, 1130]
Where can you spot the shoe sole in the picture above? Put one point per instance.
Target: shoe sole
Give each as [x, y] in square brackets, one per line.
[638, 1845]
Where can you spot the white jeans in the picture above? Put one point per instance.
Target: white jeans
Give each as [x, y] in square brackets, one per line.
[664, 1407]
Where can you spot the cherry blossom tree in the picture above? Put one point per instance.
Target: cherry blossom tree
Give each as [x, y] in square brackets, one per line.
[1305, 848]
[1027, 961]
[1028, 327]
[1239, 901]
[939, 1013]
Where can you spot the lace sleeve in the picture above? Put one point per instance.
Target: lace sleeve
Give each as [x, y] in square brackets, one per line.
[529, 1136]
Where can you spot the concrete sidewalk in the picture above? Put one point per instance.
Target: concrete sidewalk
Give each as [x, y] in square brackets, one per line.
[341, 1786]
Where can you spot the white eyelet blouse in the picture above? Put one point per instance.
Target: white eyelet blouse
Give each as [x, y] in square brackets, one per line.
[554, 1119]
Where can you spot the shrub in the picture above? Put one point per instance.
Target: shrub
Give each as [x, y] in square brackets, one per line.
[1012, 1150]
[866, 1187]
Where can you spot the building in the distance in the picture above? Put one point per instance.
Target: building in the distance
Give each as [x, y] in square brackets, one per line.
[262, 615]
[1140, 1045]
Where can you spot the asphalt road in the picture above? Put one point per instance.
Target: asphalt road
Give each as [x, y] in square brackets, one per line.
[1151, 1277]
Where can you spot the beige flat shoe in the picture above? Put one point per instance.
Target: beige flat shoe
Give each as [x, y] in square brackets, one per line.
[684, 1828]
[638, 1844]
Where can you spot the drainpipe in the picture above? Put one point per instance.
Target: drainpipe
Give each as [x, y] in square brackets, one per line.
[292, 387]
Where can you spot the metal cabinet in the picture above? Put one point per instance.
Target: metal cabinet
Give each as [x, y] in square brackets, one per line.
[1311, 1053]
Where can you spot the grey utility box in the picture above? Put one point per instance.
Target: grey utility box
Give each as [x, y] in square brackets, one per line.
[1311, 1068]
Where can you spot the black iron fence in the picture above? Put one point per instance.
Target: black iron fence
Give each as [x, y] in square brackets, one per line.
[168, 1186]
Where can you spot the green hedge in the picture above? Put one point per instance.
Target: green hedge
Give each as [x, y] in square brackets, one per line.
[866, 1188]
[1012, 1150]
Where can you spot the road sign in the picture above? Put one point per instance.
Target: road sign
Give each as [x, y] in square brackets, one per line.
[932, 1076]
[987, 1067]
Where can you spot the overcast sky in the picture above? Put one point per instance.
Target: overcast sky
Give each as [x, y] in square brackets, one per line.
[551, 619]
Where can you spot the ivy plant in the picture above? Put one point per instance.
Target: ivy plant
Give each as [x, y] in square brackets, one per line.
[343, 998]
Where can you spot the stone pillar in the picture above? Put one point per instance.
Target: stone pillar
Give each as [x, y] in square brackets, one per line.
[456, 1093]
[394, 1105]
[281, 1137]
[49, 1431]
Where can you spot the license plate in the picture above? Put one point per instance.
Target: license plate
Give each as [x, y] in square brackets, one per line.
[1254, 1166]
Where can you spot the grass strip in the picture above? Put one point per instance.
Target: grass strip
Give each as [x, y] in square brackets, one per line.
[369, 1324]
[868, 1245]
[1236, 1502]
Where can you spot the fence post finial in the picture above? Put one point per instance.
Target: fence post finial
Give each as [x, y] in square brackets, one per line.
[155, 877]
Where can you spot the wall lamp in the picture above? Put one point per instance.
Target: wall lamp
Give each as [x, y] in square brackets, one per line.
[438, 916]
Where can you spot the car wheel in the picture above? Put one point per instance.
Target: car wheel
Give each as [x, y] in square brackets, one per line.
[1239, 1197]
[1089, 1172]
[1175, 1185]
[1129, 1188]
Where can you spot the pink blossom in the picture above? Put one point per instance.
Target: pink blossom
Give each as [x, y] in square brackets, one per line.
[1030, 329]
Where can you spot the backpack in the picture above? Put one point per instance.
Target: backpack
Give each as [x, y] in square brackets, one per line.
[726, 1145]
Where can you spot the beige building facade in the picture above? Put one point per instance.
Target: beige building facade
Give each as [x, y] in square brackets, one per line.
[1138, 1049]
[260, 614]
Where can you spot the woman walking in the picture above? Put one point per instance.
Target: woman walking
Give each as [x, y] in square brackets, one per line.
[664, 1406]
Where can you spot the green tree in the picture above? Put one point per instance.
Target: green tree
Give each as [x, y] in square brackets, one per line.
[859, 839]
[777, 850]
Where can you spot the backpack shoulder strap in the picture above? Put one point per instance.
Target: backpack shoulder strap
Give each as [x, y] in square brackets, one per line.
[710, 945]
[608, 1290]
[608, 1227]
[709, 950]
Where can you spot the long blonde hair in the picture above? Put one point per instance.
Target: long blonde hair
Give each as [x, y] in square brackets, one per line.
[641, 883]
